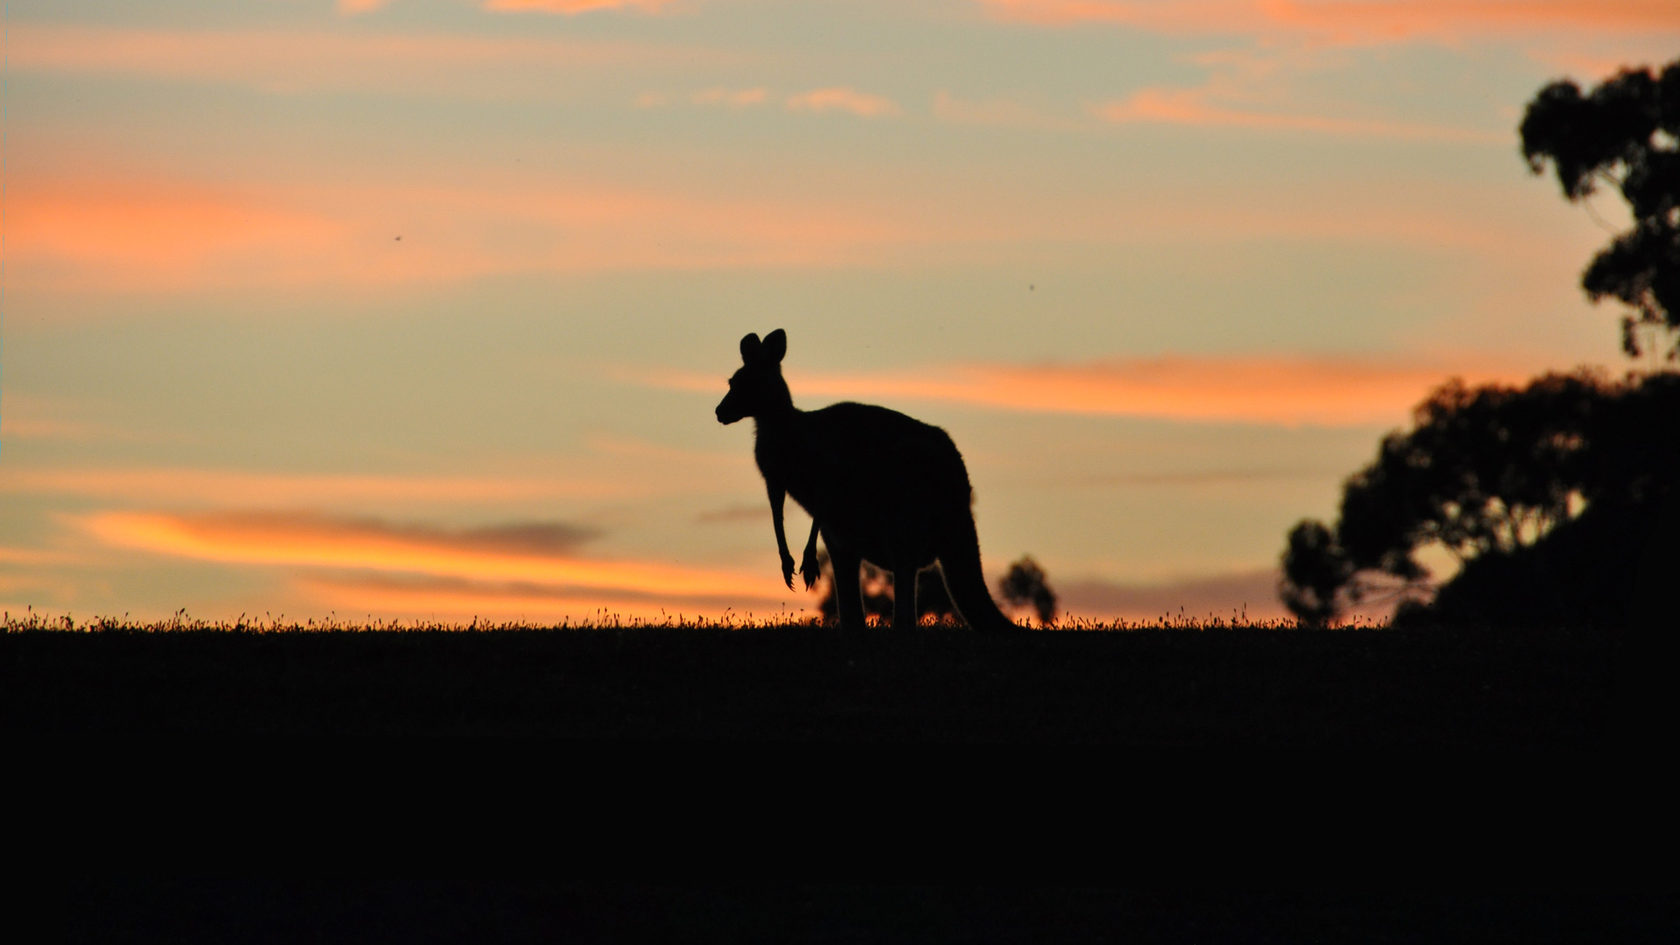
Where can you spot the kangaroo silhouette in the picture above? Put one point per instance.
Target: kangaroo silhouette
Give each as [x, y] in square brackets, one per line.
[905, 512]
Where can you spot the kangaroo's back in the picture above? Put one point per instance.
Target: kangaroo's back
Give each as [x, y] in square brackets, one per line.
[890, 484]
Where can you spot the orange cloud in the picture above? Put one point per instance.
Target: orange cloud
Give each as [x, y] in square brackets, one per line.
[159, 233]
[104, 230]
[355, 7]
[319, 542]
[1192, 107]
[1357, 23]
[843, 99]
[1289, 391]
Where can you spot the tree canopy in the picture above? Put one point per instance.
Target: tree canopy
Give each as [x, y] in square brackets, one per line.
[1624, 133]
[1487, 473]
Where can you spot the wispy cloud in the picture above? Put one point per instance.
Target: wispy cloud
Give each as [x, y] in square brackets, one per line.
[159, 233]
[1289, 391]
[358, 7]
[282, 61]
[108, 230]
[843, 99]
[1199, 107]
[835, 99]
[231, 487]
[531, 553]
[574, 7]
[1367, 22]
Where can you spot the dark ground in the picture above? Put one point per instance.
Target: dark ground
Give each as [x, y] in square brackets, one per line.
[257, 913]
[792, 785]
[1163, 687]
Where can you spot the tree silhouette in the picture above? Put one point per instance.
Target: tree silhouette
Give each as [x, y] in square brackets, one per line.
[1624, 133]
[1026, 585]
[1315, 571]
[1558, 500]
[1540, 494]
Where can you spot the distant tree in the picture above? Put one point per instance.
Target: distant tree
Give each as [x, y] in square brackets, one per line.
[1624, 133]
[1025, 585]
[1485, 472]
[1316, 573]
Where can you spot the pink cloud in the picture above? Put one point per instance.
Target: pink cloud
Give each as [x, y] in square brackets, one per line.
[843, 99]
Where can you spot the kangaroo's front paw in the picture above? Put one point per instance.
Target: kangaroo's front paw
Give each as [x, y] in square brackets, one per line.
[787, 570]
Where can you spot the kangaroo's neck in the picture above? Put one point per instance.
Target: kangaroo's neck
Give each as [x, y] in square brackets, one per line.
[783, 417]
[779, 412]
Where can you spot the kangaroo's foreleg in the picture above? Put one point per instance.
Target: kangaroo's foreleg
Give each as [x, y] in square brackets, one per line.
[777, 495]
[808, 562]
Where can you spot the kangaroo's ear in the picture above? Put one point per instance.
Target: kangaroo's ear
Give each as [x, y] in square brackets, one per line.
[749, 348]
[775, 346]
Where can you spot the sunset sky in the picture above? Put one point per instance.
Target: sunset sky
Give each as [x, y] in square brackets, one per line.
[418, 309]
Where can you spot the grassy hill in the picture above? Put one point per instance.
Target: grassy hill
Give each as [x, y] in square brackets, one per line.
[1190, 685]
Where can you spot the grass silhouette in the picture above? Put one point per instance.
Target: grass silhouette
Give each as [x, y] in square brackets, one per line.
[742, 679]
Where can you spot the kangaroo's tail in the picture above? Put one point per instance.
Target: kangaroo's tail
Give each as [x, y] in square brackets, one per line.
[959, 564]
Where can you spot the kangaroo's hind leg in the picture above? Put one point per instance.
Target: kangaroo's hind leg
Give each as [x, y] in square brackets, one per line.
[848, 594]
[904, 598]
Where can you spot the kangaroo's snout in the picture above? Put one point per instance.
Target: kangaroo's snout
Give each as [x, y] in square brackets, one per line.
[726, 413]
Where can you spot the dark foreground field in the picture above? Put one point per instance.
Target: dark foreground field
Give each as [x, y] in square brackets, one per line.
[1174, 687]
[789, 784]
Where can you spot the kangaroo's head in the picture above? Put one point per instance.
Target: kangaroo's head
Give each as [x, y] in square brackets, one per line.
[757, 388]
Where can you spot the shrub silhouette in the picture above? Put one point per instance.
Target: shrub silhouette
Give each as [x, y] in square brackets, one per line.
[1026, 586]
